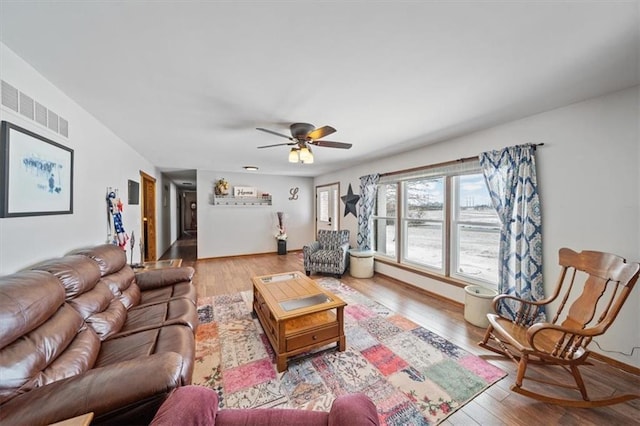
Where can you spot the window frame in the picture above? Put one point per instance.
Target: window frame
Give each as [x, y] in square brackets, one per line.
[394, 219]
[450, 223]
[455, 238]
[406, 220]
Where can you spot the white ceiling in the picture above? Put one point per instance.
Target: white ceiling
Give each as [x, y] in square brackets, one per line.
[186, 82]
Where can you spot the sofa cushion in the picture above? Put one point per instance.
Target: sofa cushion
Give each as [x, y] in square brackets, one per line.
[109, 321]
[183, 290]
[327, 256]
[93, 301]
[171, 338]
[131, 297]
[78, 274]
[110, 258]
[27, 299]
[60, 347]
[128, 393]
[164, 277]
[94, 297]
[178, 311]
[123, 286]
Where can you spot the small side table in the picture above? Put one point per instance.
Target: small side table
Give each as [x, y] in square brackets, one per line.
[361, 263]
[158, 264]
[83, 420]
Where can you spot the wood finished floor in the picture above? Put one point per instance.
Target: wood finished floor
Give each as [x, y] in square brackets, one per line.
[496, 406]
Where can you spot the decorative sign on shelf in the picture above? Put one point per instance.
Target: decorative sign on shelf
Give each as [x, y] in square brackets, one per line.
[244, 191]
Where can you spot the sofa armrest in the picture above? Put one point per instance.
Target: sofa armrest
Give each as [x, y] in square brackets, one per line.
[102, 391]
[353, 410]
[309, 249]
[157, 278]
[188, 405]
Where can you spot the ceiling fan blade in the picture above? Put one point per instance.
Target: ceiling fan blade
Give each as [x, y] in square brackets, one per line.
[274, 133]
[321, 132]
[330, 144]
[278, 144]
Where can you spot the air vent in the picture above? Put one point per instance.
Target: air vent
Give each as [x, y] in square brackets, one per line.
[26, 106]
[64, 127]
[52, 120]
[20, 102]
[41, 114]
[9, 96]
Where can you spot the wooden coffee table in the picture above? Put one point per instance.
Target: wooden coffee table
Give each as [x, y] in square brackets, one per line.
[297, 314]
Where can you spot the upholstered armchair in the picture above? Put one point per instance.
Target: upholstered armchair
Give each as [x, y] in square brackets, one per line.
[329, 254]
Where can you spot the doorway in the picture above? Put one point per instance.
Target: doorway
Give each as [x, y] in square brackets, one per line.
[148, 206]
[189, 218]
[327, 216]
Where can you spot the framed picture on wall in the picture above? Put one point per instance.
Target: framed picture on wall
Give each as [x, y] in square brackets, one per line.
[36, 174]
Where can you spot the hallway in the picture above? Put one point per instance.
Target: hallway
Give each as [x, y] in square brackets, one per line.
[185, 248]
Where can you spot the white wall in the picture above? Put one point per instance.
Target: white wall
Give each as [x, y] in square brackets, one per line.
[173, 209]
[26, 240]
[589, 189]
[235, 230]
[166, 214]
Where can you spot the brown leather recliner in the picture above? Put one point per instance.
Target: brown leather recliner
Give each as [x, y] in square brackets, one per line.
[84, 333]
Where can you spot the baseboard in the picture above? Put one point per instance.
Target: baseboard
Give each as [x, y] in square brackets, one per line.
[421, 290]
[616, 364]
[248, 254]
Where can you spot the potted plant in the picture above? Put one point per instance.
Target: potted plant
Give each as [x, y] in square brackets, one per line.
[281, 233]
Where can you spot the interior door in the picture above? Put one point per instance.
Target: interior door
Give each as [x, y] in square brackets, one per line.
[148, 216]
[327, 216]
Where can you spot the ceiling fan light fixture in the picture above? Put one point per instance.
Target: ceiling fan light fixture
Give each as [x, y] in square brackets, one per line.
[309, 159]
[305, 154]
[302, 136]
[293, 155]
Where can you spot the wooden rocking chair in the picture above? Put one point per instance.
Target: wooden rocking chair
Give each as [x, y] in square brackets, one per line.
[588, 307]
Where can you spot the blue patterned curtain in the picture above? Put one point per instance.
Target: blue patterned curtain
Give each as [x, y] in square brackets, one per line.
[368, 188]
[510, 175]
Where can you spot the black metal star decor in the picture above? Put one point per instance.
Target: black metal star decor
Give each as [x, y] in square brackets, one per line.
[350, 200]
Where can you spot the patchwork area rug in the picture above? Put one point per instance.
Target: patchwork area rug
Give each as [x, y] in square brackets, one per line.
[413, 376]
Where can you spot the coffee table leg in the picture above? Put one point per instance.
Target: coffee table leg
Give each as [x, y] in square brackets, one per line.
[281, 363]
[342, 344]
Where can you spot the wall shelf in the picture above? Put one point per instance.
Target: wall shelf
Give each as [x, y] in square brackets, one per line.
[230, 200]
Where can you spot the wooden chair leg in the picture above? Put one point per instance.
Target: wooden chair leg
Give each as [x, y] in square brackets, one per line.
[578, 377]
[522, 367]
[487, 335]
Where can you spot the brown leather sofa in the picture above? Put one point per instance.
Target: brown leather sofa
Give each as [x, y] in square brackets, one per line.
[84, 333]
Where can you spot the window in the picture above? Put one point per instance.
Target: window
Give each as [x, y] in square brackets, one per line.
[384, 220]
[475, 230]
[423, 222]
[447, 225]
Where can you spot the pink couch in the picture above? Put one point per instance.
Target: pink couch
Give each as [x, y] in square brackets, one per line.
[198, 406]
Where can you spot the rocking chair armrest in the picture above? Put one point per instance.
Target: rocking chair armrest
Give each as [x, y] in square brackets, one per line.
[517, 299]
[500, 297]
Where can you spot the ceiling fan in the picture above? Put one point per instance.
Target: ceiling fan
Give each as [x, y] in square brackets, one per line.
[303, 135]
